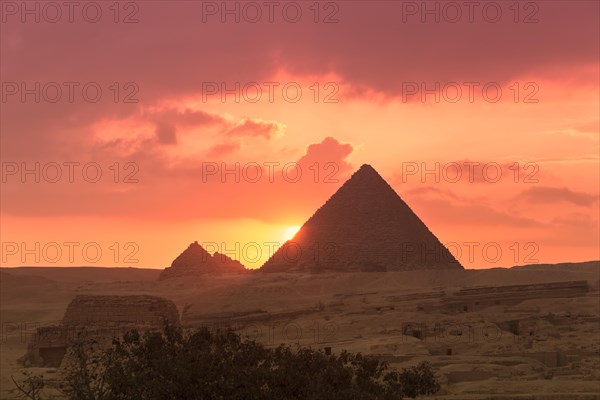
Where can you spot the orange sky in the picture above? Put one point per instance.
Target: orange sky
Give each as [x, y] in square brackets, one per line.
[361, 77]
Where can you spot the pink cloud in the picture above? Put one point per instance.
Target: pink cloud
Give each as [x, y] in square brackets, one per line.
[330, 154]
[159, 178]
[257, 128]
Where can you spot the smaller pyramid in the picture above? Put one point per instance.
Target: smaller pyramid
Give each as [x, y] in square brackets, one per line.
[195, 260]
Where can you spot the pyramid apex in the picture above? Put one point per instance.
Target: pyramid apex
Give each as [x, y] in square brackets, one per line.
[366, 167]
[366, 173]
[366, 170]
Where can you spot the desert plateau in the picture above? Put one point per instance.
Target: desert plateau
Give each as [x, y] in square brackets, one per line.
[521, 330]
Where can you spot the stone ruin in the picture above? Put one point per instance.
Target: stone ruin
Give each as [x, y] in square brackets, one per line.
[100, 318]
[195, 260]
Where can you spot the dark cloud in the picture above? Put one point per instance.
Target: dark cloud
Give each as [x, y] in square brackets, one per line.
[166, 133]
[183, 117]
[170, 51]
[551, 195]
[220, 150]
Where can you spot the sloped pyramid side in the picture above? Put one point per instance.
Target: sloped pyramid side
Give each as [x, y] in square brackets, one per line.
[364, 226]
[195, 260]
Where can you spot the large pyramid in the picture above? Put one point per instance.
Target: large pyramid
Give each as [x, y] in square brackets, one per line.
[364, 226]
[196, 261]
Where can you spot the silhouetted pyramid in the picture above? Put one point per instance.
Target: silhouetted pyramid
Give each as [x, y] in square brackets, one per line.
[364, 226]
[195, 261]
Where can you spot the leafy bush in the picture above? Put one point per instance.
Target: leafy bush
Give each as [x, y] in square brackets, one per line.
[212, 365]
[85, 371]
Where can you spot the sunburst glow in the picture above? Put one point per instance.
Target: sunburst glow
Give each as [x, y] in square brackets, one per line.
[290, 232]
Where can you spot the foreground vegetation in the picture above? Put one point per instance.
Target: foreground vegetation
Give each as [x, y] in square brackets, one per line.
[210, 365]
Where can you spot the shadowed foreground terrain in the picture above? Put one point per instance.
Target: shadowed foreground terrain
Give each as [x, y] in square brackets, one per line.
[497, 333]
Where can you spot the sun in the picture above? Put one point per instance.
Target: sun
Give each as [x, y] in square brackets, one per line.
[290, 232]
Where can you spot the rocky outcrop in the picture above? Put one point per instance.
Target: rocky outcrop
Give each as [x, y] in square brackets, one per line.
[196, 261]
[364, 226]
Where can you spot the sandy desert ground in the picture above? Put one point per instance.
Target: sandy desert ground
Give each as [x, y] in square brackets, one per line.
[477, 350]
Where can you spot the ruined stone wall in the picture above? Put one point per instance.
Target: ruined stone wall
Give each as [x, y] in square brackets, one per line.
[472, 299]
[137, 310]
[100, 318]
